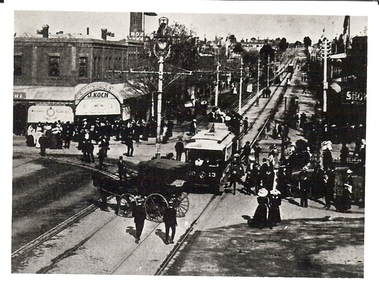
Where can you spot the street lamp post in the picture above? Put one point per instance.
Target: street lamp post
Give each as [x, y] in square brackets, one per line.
[161, 51]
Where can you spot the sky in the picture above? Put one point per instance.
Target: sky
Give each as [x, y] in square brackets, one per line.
[207, 22]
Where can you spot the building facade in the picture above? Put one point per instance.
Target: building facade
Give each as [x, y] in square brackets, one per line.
[62, 77]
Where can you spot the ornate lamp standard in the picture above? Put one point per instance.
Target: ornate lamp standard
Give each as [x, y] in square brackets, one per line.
[161, 51]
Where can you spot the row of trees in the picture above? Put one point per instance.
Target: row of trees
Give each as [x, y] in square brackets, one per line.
[191, 65]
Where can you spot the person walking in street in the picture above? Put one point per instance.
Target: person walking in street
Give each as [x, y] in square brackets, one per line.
[345, 200]
[274, 211]
[121, 168]
[179, 149]
[192, 127]
[259, 219]
[329, 186]
[344, 153]
[245, 125]
[169, 219]
[246, 150]
[257, 150]
[43, 143]
[103, 147]
[90, 150]
[304, 187]
[236, 172]
[139, 215]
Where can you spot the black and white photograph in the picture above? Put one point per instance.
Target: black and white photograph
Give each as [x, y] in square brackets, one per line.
[200, 139]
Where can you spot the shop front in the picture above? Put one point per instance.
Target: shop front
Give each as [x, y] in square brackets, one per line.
[104, 101]
[46, 105]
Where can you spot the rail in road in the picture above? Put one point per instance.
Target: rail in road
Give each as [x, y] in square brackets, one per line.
[107, 225]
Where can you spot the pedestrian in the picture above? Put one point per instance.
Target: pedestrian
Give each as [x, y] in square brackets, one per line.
[90, 149]
[345, 200]
[102, 153]
[246, 150]
[139, 215]
[179, 149]
[257, 150]
[329, 186]
[251, 175]
[304, 187]
[259, 219]
[274, 211]
[121, 168]
[169, 219]
[236, 172]
[327, 158]
[192, 127]
[43, 143]
[344, 153]
[245, 125]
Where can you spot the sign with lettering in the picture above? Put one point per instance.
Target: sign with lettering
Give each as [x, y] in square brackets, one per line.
[50, 114]
[98, 103]
[19, 95]
[355, 97]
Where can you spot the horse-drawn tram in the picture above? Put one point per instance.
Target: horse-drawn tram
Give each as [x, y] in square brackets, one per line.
[157, 182]
[208, 155]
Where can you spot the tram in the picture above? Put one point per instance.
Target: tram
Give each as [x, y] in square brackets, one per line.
[208, 154]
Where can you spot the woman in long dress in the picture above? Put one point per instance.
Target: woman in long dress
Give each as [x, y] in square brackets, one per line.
[260, 216]
[274, 212]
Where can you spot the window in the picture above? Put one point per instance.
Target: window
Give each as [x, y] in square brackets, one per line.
[17, 65]
[83, 67]
[97, 67]
[54, 66]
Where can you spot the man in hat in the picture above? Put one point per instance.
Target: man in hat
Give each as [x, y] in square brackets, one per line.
[246, 150]
[192, 127]
[179, 149]
[169, 219]
[304, 187]
[121, 168]
[139, 215]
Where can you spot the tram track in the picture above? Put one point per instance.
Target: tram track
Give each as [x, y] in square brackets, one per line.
[171, 255]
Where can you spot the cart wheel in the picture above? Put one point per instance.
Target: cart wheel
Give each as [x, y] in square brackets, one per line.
[127, 201]
[181, 204]
[155, 205]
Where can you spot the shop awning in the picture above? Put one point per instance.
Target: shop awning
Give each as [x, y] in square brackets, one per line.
[44, 93]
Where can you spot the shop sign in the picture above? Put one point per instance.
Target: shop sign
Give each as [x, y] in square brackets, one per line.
[19, 95]
[355, 98]
[98, 103]
[50, 114]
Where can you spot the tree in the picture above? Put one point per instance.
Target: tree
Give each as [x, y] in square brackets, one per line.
[307, 42]
[283, 45]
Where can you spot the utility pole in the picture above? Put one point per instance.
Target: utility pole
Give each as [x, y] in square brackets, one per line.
[257, 102]
[217, 80]
[240, 95]
[268, 71]
[327, 47]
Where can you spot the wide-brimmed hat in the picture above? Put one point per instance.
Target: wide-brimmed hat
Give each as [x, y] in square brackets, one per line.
[275, 192]
[262, 192]
[349, 171]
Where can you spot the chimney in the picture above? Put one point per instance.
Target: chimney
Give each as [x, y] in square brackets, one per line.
[104, 34]
[87, 31]
[44, 32]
